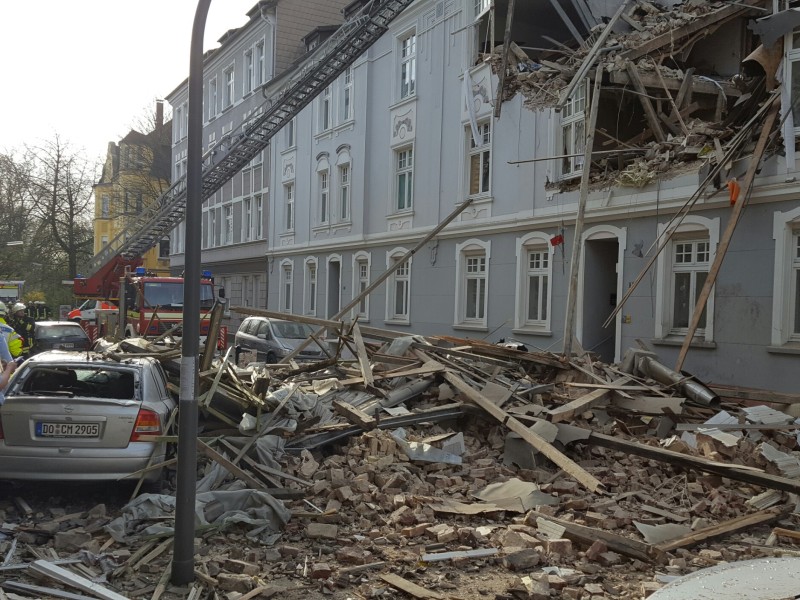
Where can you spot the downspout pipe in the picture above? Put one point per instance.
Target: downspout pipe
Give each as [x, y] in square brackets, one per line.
[686, 383]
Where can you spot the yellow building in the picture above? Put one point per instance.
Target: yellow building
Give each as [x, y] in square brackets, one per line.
[136, 172]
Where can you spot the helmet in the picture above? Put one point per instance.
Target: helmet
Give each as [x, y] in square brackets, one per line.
[18, 307]
[3, 309]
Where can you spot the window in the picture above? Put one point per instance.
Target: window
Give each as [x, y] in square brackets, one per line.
[177, 125]
[227, 93]
[212, 98]
[361, 283]
[290, 134]
[344, 192]
[247, 219]
[105, 206]
[259, 66]
[287, 279]
[535, 270]
[288, 194]
[323, 197]
[325, 110]
[399, 288]
[347, 95]
[690, 266]
[481, 6]
[249, 75]
[212, 225]
[259, 217]
[227, 224]
[786, 281]
[682, 270]
[471, 287]
[104, 242]
[404, 178]
[408, 66]
[311, 287]
[480, 160]
[573, 136]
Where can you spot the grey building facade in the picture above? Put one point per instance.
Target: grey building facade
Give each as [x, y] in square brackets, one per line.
[409, 132]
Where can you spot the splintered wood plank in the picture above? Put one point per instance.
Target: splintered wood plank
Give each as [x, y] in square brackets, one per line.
[726, 527]
[354, 415]
[410, 588]
[587, 401]
[51, 571]
[363, 359]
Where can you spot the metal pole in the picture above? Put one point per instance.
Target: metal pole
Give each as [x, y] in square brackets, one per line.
[183, 549]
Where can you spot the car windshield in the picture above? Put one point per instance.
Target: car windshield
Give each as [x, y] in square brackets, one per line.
[169, 294]
[93, 381]
[55, 332]
[292, 331]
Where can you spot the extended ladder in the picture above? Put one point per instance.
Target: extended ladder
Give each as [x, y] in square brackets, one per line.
[289, 94]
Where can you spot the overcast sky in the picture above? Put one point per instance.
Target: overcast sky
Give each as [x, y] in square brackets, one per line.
[88, 69]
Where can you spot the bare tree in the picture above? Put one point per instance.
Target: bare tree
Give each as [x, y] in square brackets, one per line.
[61, 190]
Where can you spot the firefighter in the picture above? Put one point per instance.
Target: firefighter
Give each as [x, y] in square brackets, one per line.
[23, 325]
[13, 339]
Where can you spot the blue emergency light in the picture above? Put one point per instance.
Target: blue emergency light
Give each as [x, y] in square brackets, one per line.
[140, 271]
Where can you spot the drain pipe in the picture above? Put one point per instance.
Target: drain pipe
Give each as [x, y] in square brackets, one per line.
[690, 387]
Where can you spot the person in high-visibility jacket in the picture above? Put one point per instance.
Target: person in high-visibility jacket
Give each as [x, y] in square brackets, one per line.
[23, 325]
[13, 339]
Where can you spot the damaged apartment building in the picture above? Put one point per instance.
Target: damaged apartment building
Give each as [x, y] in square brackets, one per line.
[482, 110]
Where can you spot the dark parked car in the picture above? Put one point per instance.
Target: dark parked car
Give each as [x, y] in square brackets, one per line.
[79, 416]
[59, 335]
[272, 339]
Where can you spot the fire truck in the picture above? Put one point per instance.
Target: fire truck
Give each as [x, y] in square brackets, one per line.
[285, 96]
[152, 304]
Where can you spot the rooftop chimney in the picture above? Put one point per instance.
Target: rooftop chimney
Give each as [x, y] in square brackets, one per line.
[159, 113]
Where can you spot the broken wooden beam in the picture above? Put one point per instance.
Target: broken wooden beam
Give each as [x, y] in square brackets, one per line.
[585, 402]
[354, 415]
[410, 588]
[649, 111]
[48, 569]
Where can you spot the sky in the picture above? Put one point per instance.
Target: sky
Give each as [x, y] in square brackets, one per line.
[88, 70]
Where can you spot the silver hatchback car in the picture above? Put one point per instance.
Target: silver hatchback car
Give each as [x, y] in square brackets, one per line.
[80, 417]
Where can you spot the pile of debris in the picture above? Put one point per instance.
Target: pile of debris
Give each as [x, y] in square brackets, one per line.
[438, 468]
[679, 112]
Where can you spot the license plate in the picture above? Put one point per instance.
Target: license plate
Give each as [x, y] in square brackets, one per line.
[68, 430]
[65, 345]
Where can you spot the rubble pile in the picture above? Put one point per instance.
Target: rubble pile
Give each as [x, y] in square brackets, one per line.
[679, 112]
[437, 468]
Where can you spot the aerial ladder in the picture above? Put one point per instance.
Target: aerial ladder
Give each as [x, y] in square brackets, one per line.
[287, 95]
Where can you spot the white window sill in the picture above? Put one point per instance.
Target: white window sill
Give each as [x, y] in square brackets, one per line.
[470, 326]
[402, 101]
[324, 135]
[677, 340]
[289, 149]
[533, 331]
[286, 233]
[406, 212]
[345, 125]
[397, 322]
[321, 228]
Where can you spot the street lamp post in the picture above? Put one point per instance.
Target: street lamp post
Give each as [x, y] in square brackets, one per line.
[183, 554]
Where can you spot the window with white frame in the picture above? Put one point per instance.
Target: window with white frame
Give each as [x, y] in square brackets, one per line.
[347, 94]
[103, 241]
[481, 6]
[177, 124]
[472, 259]
[786, 279]
[310, 293]
[259, 64]
[535, 271]
[212, 98]
[258, 215]
[344, 193]
[325, 109]
[480, 160]
[404, 178]
[212, 226]
[287, 284]
[690, 264]
[288, 199]
[229, 90]
[573, 133]
[408, 65]
[105, 206]
[290, 134]
[361, 283]
[324, 198]
[249, 71]
[247, 219]
[399, 289]
[682, 269]
[227, 225]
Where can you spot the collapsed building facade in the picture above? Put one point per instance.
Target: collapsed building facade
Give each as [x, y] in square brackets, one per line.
[416, 127]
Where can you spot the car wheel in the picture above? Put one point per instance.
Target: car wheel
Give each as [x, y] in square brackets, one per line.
[271, 358]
